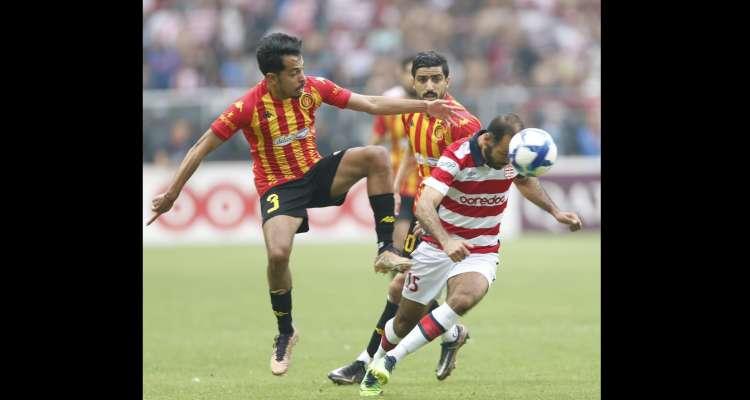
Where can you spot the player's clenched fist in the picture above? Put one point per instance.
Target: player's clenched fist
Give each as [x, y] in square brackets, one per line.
[457, 250]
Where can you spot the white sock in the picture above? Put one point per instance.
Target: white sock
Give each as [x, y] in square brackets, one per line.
[451, 335]
[363, 356]
[390, 335]
[428, 328]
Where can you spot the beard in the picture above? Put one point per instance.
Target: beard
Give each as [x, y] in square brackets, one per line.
[487, 154]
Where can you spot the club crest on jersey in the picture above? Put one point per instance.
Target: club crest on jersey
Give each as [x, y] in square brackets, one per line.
[438, 132]
[306, 101]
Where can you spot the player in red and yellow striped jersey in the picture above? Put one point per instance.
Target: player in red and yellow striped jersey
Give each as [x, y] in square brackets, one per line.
[428, 137]
[277, 117]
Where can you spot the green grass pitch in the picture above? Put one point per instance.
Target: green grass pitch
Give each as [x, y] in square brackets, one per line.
[208, 325]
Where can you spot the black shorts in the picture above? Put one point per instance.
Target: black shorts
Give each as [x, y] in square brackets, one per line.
[311, 191]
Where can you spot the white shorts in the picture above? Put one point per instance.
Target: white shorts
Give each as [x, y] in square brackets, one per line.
[432, 268]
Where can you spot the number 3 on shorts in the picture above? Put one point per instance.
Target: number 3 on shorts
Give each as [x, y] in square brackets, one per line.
[273, 198]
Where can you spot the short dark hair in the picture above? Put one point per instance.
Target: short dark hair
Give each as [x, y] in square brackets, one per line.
[406, 60]
[507, 124]
[429, 59]
[272, 47]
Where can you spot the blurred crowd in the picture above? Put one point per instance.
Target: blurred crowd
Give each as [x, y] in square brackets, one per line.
[537, 57]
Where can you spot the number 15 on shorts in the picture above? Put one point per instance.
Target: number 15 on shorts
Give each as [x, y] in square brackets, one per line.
[411, 282]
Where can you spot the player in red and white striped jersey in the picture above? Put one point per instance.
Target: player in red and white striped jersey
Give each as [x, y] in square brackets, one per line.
[460, 207]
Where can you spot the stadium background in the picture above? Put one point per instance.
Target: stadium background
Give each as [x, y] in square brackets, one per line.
[539, 58]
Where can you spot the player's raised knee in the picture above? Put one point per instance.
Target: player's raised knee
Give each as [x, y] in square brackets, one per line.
[378, 157]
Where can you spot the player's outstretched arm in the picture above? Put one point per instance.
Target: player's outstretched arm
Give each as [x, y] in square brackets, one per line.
[206, 144]
[426, 213]
[532, 189]
[381, 105]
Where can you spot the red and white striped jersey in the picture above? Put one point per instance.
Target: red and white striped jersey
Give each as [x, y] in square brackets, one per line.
[475, 195]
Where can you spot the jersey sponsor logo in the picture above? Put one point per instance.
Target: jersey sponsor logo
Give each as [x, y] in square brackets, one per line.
[284, 140]
[306, 101]
[482, 201]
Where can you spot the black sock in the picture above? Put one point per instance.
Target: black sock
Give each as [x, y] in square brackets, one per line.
[282, 308]
[388, 313]
[433, 305]
[382, 208]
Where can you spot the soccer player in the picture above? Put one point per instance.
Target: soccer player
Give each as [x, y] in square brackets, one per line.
[277, 117]
[428, 137]
[460, 207]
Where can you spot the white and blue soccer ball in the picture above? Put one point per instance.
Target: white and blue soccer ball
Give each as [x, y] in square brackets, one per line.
[532, 152]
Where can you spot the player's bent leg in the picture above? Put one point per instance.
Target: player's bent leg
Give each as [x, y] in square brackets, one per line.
[465, 291]
[373, 163]
[278, 233]
[428, 328]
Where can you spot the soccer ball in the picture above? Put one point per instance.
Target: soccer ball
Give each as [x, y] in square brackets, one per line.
[532, 152]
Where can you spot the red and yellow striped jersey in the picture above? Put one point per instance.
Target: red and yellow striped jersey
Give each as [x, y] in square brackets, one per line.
[429, 136]
[391, 127]
[281, 133]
